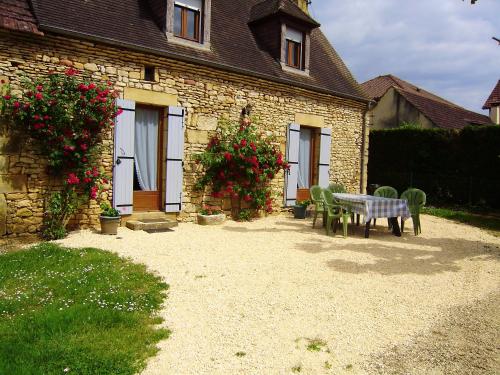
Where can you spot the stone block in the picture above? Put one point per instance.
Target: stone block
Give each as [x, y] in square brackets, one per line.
[24, 212]
[3, 215]
[13, 183]
[207, 123]
[91, 66]
[197, 136]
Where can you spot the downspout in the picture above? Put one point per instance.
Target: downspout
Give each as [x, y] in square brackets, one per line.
[365, 133]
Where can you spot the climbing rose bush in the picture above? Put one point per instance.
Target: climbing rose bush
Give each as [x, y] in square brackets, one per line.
[66, 116]
[240, 163]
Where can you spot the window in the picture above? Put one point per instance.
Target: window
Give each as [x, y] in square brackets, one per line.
[149, 73]
[187, 19]
[294, 41]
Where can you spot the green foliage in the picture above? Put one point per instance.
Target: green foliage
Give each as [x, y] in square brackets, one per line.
[61, 205]
[245, 215]
[84, 310]
[481, 220]
[410, 125]
[240, 162]
[304, 203]
[210, 210]
[109, 211]
[452, 167]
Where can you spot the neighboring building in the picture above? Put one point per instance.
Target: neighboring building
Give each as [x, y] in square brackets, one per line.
[398, 102]
[493, 104]
[190, 62]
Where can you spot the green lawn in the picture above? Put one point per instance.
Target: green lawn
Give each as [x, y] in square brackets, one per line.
[76, 311]
[480, 220]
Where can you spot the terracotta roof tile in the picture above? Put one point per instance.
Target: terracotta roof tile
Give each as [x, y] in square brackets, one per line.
[494, 98]
[131, 24]
[17, 15]
[441, 112]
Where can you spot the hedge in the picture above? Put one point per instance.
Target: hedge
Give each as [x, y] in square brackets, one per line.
[452, 167]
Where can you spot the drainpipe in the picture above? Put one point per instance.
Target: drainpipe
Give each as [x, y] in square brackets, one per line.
[364, 147]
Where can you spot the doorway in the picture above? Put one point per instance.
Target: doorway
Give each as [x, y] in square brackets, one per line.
[308, 160]
[148, 148]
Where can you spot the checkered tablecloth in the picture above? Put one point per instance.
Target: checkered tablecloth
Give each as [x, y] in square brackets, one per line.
[374, 207]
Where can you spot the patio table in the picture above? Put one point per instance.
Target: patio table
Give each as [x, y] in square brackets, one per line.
[374, 208]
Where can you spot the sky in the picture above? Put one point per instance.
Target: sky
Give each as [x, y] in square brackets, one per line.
[443, 46]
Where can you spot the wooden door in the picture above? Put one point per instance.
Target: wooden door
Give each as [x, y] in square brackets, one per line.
[148, 190]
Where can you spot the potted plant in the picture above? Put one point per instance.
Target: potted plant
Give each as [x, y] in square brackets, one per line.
[299, 210]
[211, 215]
[110, 219]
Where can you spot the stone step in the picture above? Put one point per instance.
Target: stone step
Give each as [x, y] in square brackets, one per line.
[152, 224]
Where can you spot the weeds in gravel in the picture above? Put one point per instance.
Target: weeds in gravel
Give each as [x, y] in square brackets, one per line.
[348, 367]
[77, 311]
[316, 345]
[297, 368]
[240, 354]
[328, 365]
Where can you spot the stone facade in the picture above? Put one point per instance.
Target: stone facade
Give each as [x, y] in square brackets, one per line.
[207, 94]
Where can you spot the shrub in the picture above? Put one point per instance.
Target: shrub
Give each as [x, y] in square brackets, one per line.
[239, 163]
[66, 117]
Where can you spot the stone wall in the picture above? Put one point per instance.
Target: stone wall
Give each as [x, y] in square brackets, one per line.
[207, 94]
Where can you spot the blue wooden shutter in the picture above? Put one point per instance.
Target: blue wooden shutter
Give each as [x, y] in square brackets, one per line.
[175, 157]
[292, 156]
[123, 166]
[324, 157]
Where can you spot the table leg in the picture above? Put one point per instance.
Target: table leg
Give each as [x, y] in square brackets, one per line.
[367, 229]
[395, 226]
[357, 219]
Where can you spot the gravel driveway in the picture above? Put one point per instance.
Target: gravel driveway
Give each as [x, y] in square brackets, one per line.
[276, 297]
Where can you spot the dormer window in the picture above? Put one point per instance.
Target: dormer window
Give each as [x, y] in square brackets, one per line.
[188, 22]
[294, 41]
[187, 19]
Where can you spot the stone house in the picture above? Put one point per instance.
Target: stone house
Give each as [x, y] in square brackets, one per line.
[493, 104]
[180, 66]
[398, 101]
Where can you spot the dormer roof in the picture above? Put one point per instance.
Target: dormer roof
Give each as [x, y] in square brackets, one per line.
[494, 98]
[270, 8]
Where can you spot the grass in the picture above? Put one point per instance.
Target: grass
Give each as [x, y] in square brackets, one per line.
[76, 311]
[480, 220]
[316, 345]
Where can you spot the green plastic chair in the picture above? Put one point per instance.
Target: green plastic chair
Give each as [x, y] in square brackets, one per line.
[385, 192]
[416, 200]
[334, 212]
[337, 188]
[317, 199]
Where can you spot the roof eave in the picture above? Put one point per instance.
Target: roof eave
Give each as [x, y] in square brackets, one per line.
[190, 59]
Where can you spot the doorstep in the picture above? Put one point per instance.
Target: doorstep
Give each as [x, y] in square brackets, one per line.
[151, 221]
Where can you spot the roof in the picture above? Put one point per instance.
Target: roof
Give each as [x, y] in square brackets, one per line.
[269, 8]
[494, 99]
[443, 113]
[17, 15]
[235, 49]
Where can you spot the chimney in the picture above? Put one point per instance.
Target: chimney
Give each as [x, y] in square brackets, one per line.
[303, 4]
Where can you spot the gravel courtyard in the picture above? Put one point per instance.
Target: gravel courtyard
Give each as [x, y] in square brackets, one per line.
[276, 297]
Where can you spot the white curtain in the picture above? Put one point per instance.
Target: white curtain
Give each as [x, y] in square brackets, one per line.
[146, 148]
[304, 158]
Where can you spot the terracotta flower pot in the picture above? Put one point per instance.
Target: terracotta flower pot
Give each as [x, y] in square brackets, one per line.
[211, 219]
[109, 225]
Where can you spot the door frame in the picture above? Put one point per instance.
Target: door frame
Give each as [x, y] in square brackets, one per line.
[304, 194]
[145, 201]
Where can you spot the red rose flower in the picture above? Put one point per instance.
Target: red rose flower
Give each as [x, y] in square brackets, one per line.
[39, 88]
[72, 179]
[236, 147]
[247, 198]
[16, 105]
[243, 142]
[7, 97]
[228, 156]
[38, 96]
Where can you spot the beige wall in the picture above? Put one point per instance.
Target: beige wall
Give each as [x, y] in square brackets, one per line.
[393, 109]
[207, 94]
[495, 115]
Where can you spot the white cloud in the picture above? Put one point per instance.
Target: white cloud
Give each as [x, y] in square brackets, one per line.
[444, 46]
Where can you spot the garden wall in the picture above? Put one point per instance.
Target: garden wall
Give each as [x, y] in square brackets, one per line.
[451, 167]
[207, 94]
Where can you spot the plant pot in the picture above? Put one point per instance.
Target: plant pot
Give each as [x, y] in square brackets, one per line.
[109, 225]
[299, 212]
[211, 219]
